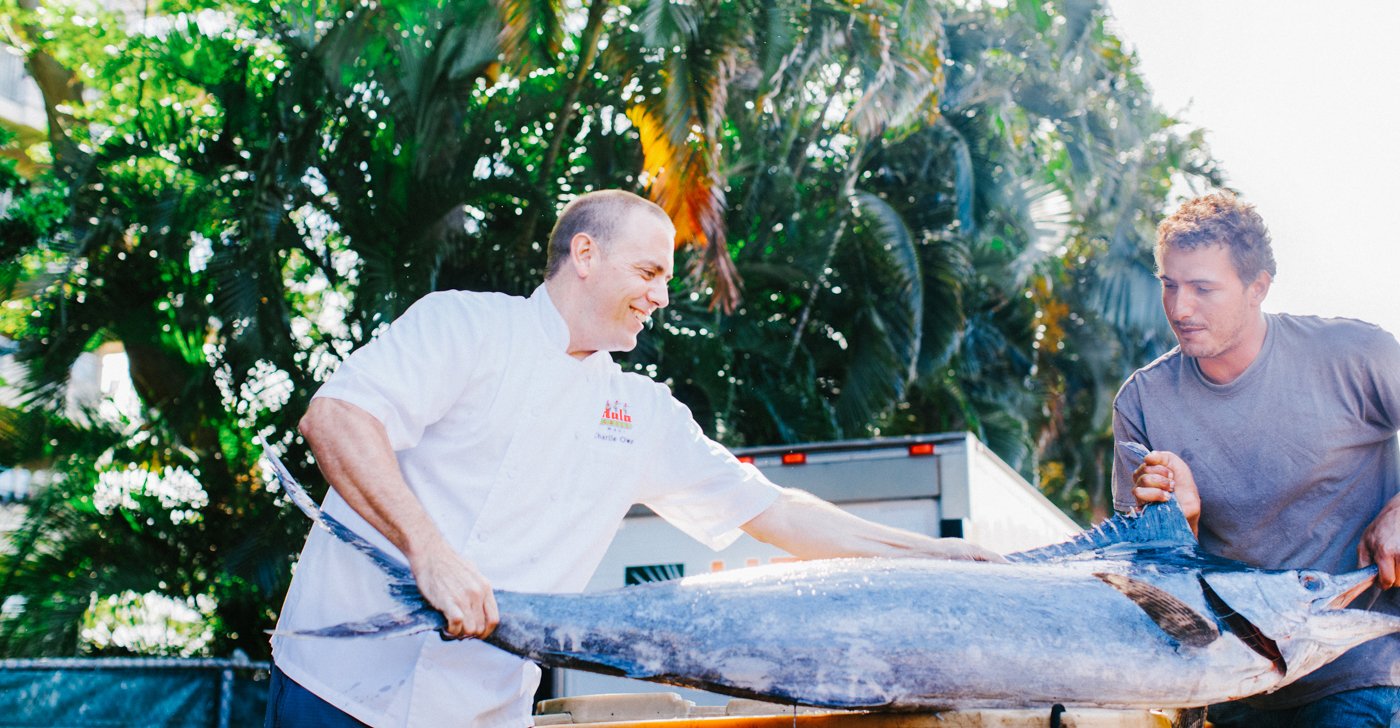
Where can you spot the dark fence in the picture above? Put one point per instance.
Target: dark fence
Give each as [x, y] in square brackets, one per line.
[123, 692]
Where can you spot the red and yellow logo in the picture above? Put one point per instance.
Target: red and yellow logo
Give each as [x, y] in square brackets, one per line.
[615, 415]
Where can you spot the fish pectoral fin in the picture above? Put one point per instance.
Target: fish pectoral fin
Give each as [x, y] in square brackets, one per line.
[1187, 717]
[1182, 623]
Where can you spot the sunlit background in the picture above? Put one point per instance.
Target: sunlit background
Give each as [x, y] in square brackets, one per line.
[1298, 98]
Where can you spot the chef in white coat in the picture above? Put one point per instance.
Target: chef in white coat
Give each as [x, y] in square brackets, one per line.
[490, 441]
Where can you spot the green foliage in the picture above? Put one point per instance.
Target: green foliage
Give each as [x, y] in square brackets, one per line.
[941, 218]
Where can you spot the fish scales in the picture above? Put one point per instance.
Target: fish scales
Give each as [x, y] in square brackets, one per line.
[817, 643]
[1128, 615]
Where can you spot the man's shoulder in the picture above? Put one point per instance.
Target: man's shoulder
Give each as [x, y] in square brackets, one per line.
[636, 382]
[1166, 367]
[1336, 336]
[458, 311]
[487, 301]
[641, 389]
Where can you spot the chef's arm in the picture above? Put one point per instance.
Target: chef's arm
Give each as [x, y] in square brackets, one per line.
[810, 528]
[353, 450]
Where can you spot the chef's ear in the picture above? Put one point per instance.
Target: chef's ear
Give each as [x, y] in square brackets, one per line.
[583, 254]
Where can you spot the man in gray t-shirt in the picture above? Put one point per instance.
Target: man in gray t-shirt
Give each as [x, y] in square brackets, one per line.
[1278, 435]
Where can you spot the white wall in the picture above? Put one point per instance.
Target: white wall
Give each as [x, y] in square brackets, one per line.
[1008, 514]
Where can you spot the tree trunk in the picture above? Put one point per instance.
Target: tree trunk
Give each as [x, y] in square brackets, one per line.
[58, 85]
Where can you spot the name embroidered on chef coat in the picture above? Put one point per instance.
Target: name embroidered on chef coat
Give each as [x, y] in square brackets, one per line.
[616, 424]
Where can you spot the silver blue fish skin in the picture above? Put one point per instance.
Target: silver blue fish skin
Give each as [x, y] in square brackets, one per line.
[1128, 615]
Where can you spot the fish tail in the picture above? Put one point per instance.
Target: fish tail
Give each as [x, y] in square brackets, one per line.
[380, 626]
[391, 566]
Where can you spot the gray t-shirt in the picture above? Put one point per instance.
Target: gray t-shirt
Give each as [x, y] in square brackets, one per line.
[1293, 461]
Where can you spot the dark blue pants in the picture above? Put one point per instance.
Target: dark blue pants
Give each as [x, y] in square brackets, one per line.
[290, 705]
[1377, 707]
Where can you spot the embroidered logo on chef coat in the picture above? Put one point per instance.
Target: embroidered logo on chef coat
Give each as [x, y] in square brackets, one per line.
[616, 423]
[615, 415]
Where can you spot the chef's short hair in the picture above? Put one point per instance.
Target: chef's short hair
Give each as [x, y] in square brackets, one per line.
[1220, 219]
[600, 215]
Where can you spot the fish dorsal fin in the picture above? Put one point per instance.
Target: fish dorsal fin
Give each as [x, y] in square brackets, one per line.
[1182, 623]
[1157, 524]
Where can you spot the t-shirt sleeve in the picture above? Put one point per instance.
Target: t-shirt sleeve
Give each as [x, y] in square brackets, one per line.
[1127, 427]
[1383, 363]
[410, 376]
[699, 486]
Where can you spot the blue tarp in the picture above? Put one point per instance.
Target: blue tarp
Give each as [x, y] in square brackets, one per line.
[127, 693]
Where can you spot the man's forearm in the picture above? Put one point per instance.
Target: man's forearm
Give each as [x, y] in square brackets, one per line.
[353, 452]
[810, 528]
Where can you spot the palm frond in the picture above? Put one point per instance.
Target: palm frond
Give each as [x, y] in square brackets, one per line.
[887, 331]
[1043, 213]
[684, 184]
[904, 73]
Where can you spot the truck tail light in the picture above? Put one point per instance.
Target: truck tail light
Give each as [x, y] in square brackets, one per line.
[794, 458]
[746, 459]
[923, 448]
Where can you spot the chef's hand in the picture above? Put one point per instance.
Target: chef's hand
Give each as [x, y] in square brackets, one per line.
[1165, 472]
[1380, 544]
[957, 549]
[454, 586]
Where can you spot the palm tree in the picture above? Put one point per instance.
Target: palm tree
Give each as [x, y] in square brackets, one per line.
[892, 215]
[248, 197]
[1058, 168]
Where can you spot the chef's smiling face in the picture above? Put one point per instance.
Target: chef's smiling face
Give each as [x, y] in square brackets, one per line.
[627, 280]
[1205, 301]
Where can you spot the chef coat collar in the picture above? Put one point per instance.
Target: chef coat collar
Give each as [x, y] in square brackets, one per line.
[556, 330]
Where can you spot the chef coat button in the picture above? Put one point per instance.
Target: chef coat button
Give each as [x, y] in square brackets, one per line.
[481, 537]
[554, 496]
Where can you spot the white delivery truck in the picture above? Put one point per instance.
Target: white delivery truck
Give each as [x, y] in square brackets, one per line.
[941, 485]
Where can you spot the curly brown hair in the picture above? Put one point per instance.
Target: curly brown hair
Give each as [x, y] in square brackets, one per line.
[1220, 219]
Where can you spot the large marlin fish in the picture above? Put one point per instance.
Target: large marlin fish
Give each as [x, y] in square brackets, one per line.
[1129, 615]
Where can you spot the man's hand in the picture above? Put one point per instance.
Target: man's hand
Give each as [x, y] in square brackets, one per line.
[1165, 472]
[1380, 544]
[454, 586]
[956, 549]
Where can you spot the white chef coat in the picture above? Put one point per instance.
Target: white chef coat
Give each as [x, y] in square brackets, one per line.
[527, 459]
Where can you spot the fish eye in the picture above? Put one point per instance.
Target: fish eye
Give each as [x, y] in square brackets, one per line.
[1310, 582]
